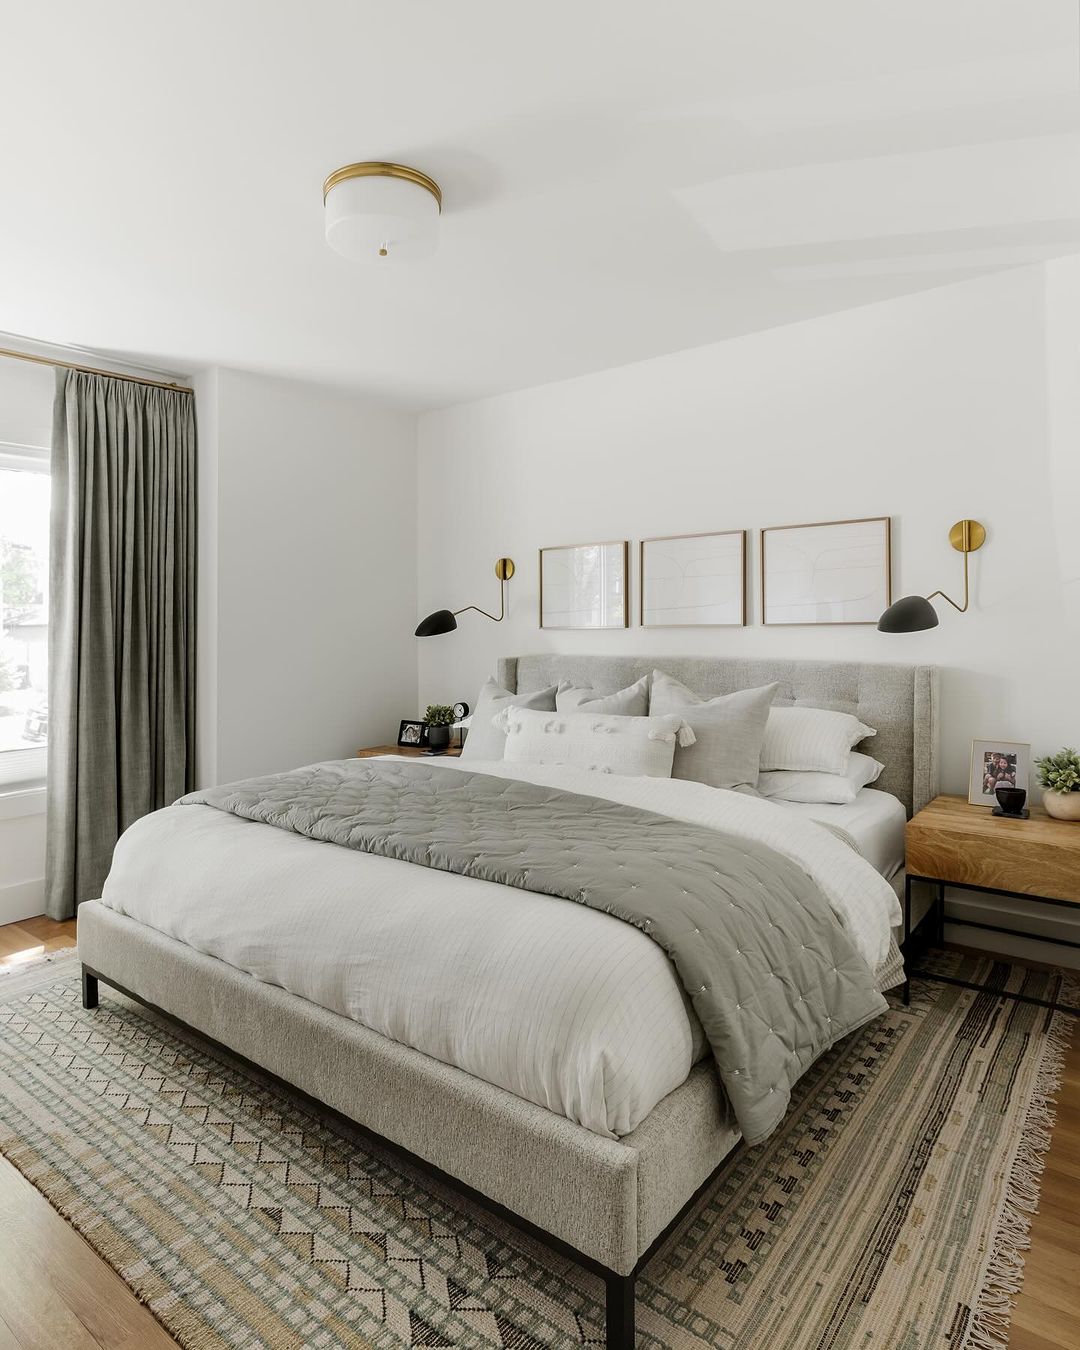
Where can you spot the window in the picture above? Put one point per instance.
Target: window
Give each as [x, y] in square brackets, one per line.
[24, 610]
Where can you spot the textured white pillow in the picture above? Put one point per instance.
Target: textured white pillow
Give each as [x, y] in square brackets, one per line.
[728, 728]
[794, 785]
[484, 740]
[633, 701]
[634, 746]
[811, 739]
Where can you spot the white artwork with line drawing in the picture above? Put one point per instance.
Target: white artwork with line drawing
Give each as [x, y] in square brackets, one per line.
[583, 586]
[693, 580]
[833, 573]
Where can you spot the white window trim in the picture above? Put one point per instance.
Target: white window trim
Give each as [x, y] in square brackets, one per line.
[23, 798]
[22, 802]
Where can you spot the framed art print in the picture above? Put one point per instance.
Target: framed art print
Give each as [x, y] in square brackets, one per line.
[833, 572]
[997, 764]
[584, 586]
[693, 580]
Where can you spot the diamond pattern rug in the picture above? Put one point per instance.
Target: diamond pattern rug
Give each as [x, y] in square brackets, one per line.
[890, 1209]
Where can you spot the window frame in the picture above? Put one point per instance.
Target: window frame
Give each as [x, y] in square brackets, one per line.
[24, 459]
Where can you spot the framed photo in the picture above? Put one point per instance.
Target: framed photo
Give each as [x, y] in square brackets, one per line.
[412, 733]
[836, 572]
[693, 580]
[997, 764]
[584, 586]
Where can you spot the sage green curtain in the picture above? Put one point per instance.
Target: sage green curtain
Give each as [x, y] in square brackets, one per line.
[121, 621]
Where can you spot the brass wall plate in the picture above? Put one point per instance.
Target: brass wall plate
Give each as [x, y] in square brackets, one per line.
[967, 535]
[504, 569]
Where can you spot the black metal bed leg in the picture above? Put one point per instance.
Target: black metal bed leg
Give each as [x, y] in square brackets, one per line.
[620, 1311]
[89, 989]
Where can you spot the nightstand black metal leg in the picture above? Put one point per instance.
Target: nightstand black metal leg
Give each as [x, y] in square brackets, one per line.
[907, 935]
[941, 914]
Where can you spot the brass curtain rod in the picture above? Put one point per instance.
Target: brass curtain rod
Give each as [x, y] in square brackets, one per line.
[92, 370]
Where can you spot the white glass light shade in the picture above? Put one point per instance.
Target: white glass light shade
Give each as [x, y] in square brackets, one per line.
[375, 218]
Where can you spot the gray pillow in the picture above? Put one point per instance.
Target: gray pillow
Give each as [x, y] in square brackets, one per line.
[485, 741]
[729, 731]
[633, 701]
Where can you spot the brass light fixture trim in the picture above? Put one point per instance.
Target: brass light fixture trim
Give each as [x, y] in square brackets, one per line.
[378, 168]
[965, 536]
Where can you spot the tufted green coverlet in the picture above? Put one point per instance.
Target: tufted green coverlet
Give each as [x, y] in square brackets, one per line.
[772, 975]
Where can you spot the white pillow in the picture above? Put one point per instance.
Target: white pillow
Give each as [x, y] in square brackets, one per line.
[793, 785]
[633, 701]
[811, 739]
[633, 746]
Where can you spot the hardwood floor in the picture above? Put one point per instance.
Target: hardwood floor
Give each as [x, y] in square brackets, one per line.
[56, 1294]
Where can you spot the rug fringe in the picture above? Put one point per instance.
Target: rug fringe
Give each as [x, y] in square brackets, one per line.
[1004, 1275]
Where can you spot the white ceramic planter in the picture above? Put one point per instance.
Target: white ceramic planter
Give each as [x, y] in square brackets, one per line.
[1062, 805]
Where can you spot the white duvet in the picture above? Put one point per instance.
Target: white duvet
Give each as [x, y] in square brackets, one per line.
[557, 1003]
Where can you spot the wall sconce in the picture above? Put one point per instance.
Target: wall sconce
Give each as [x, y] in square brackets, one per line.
[913, 613]
[445, 620]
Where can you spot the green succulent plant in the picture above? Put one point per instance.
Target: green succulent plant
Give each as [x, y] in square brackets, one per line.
[439, 715]
[1060, 772]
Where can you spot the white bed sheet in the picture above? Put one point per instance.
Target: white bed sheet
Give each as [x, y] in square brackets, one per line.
[874, 823]
[557, 1003]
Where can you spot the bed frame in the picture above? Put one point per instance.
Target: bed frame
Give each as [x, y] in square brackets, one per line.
[606, 1203]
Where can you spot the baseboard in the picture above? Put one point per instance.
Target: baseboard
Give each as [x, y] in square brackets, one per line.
[1007, 912]
[22, 900]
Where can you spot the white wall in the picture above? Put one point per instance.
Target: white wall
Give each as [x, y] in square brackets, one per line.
[308, 574]
[26, 395]
[928, 409]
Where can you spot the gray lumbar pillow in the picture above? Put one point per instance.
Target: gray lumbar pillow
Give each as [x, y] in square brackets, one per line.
[729, 731]
[486, 741]
[633, 701]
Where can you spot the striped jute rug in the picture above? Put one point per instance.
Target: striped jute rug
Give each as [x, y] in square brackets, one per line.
[890, 1210]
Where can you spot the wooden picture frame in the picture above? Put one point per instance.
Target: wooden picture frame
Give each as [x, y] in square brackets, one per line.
[1000, 763]
[827, 572]
[585, 585]
[693, 573]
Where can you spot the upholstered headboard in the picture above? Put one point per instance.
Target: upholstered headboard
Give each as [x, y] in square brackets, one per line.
[899, 701]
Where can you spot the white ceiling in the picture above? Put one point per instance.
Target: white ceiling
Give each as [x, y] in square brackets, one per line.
[622, 178]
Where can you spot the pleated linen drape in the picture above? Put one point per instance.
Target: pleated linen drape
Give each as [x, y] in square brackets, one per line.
[121, 621]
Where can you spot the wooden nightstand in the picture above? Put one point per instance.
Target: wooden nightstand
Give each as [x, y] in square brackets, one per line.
[409, 751]
[952, 843]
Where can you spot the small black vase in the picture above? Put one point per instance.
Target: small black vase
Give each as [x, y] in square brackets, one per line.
[438, 739]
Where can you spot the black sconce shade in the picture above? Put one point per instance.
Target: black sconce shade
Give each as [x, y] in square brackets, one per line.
[910, 614]
[442, 621]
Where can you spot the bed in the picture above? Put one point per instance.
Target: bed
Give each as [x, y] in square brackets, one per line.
[615, 1158]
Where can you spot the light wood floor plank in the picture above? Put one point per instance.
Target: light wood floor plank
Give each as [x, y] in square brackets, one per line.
[57, 1294]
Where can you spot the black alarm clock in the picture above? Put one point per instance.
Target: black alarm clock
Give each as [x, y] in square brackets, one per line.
[461, 711]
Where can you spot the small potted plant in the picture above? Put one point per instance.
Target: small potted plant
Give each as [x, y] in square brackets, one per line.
[437, 719]
[1059, 776]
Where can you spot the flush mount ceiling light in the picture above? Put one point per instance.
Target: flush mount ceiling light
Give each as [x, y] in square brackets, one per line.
[379, 212]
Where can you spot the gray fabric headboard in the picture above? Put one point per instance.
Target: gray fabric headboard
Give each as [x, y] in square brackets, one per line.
[899, 701]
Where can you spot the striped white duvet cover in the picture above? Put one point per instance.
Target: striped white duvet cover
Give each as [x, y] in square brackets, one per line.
[561, 1005]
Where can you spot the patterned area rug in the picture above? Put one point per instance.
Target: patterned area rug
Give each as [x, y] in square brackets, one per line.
[889, 1210]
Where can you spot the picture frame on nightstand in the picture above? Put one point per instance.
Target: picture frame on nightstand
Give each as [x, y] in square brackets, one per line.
[412, 733]
[994, 764]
